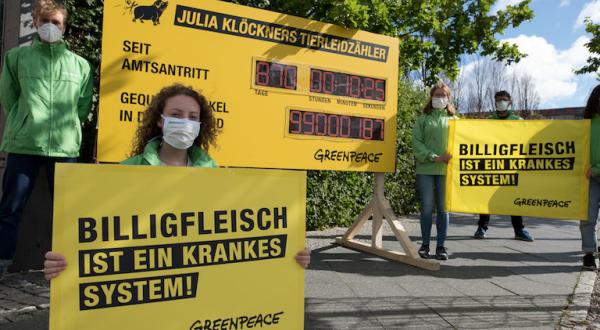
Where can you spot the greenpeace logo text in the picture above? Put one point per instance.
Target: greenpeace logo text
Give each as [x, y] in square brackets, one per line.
[550, 203]
[239, 322]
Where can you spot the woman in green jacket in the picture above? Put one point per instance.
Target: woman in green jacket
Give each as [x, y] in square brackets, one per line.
[589, 238]
[430, 139]
[170, 135]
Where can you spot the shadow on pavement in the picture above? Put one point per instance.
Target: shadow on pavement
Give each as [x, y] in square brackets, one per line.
[481, 312]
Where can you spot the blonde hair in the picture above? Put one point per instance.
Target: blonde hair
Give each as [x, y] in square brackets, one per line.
[450, 107]
[44, 8]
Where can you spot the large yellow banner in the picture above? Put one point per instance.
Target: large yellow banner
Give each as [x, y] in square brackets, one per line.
[286, 92]
[178, 248]
[519, 167]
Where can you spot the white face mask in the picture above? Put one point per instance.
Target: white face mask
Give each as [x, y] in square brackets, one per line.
[180, 133]
[502, 105]
[439, 102]
[50, 33]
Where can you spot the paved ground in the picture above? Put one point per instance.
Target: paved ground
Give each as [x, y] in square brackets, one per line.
[496, 283]
[493, 283]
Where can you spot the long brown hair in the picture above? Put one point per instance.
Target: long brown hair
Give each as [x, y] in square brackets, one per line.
[149, 129]
[449, 108]
[593, 104]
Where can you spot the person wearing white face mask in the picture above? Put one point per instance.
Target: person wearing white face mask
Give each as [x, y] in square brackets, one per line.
[177, 130]
[430, 140]
[503, 104]
[46, 93]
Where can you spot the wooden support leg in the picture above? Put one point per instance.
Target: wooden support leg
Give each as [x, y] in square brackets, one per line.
[360, 221]
[377, 232]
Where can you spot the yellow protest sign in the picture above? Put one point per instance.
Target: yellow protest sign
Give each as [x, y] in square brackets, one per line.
[286, 92]
[519, 167]
[178, 248]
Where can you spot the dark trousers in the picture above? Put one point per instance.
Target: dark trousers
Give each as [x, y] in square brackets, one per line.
[517, 221]
[17, 185]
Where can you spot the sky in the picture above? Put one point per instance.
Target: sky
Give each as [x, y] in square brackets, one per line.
[554, 41]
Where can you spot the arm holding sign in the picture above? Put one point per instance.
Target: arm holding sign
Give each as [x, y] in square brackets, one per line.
[443, 159]
[420, 150]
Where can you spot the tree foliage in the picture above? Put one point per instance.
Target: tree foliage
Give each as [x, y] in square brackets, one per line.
[433, 34]
[84, 37]
[593, 61]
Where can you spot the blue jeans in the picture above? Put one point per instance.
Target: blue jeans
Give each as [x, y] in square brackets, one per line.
[17, 185]
[433, 187]
[589, 239]
[517, 222]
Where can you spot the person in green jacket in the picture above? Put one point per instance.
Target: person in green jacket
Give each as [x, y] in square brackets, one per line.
[46, 92]
[430, 140]
[589, 238]
[177, 130]
[503, 102]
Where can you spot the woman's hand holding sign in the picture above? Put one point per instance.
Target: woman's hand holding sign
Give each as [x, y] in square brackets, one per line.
[54, 264]
[303, 257]
[443, 159]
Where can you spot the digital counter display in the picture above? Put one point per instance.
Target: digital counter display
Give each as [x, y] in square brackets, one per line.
[343, 84]
[332, 125]
[270, 74]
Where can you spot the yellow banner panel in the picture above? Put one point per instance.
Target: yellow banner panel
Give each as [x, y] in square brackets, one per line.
[286, 92]
[178, 248]
[519, 167]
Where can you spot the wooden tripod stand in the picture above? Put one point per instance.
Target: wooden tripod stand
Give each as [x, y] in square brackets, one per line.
[379, 208]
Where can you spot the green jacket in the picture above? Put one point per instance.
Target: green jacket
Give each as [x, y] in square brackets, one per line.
[198, 156]
[46, 91]
[595, 145]
[430, 140]
[511, 116]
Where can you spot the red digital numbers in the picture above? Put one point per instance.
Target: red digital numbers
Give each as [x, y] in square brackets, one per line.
[331, 125]
[276, 75]
[342, 84]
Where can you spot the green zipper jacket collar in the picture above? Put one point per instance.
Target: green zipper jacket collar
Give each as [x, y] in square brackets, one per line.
[48, 48]
[511, 116]
[198, 157]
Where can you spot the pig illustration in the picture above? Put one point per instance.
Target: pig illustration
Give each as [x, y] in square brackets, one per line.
[152, 12]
